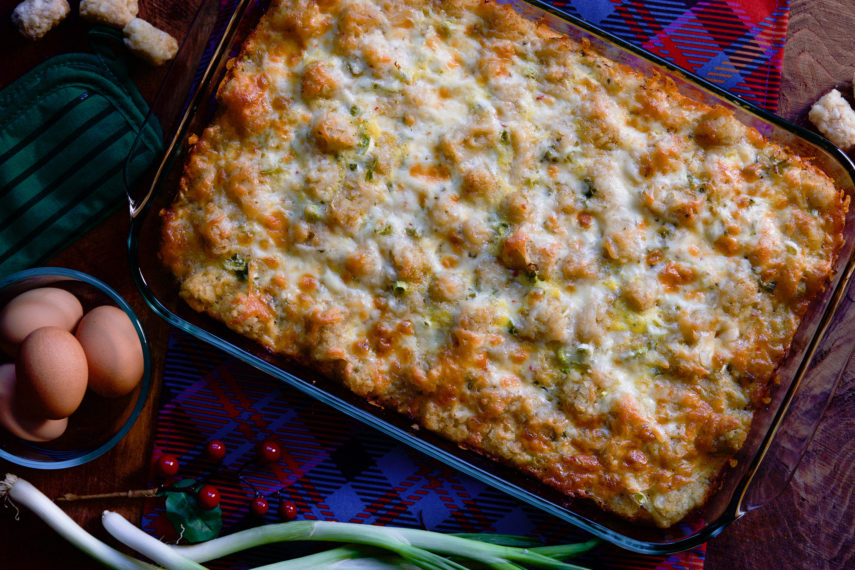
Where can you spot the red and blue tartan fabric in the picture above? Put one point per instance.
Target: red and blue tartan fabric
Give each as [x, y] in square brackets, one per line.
[737, 44]
[332, 467]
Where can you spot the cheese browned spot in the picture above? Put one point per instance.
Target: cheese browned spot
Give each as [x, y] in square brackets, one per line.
[530, 249]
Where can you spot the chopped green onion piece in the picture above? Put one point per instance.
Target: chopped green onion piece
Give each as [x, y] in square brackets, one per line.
[571, 359]
[400, 287]
[369, 171]
[639, 498]
[503, 228]
[550, 156]
[237, 265]
[589, 190]
[312, 213]
[531, 273]
[364, 141]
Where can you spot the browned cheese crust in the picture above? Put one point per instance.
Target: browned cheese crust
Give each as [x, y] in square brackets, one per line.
[529, 249]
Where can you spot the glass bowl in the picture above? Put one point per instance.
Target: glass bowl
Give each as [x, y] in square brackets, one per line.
[99, 423]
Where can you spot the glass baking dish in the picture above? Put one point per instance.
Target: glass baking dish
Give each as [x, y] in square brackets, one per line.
[780, 431]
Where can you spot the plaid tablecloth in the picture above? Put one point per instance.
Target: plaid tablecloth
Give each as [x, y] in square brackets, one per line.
[332, 467]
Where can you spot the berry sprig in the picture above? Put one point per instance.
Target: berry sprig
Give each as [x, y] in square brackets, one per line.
[196, 504]
[192, 507]
[268, 452]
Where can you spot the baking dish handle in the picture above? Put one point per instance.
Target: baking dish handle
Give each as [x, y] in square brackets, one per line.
[176, 95]
[142, 159]
[798, 426]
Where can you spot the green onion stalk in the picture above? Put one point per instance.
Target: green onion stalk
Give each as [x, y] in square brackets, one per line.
[403, 541]
[373, 546]
[22, 493]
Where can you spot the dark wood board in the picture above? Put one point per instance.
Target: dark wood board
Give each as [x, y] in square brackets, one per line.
[812, 523]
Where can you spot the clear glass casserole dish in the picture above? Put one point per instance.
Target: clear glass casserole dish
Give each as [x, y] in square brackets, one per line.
[780, 431]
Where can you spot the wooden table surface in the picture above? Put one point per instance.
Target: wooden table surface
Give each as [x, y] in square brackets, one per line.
[810, 525]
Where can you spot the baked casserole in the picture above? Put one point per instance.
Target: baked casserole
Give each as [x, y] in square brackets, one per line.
[534, 251]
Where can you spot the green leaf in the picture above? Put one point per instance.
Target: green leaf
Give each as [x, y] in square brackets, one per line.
[500, 539]
[191, 522]
[182, 484]
[562, 551]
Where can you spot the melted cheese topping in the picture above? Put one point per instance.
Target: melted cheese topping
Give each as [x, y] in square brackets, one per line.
[528, 248]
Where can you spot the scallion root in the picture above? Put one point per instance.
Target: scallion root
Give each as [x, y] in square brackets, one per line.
[24, 494]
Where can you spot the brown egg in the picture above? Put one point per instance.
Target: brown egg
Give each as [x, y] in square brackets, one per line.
[19, 424]
[113, 351]
[36, 308]
[51, 370]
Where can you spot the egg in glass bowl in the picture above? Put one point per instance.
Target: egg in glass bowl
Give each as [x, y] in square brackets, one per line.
[75, 368]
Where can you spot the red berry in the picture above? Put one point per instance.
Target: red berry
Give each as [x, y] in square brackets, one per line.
[288, 510]
[259, 506]
[167, 465]
[215, 450]
[208, 497]
[269, 451]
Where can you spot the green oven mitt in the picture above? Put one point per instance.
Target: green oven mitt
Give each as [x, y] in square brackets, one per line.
[66, 129]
